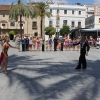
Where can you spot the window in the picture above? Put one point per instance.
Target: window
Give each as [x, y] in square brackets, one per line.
[79, 12]
[3, 25]
[65, 11]
[35, 34]
[72, 11]
[12, 23]
[50, 23]
[57, 11]
[3, 15]
[64, 22]
[79, 24]
[99, 20]
[50, 10]
[34, 24]
[72, 23]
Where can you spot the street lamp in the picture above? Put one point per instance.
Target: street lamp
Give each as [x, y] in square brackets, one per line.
[57, 21]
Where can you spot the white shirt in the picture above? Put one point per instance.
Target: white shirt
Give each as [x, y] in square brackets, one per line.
[30, 42]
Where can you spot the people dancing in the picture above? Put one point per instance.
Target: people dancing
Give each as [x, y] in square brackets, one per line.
[84, 48]
[4, 54]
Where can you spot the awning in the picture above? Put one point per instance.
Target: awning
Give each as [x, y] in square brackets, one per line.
[90, 30]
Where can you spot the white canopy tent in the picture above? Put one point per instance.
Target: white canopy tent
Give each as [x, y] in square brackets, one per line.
[89, 30]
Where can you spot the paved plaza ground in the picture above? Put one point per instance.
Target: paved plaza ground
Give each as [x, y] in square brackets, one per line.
[50, 76]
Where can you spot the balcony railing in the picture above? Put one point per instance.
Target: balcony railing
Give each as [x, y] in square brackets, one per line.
[50, 25]
[11, 27]
[34, 27]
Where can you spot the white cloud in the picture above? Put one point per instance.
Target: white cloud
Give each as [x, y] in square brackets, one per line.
[97, 2]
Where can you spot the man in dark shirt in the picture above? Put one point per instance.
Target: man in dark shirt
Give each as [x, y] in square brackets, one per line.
[84, 48]
[55, 43]
[27, 43]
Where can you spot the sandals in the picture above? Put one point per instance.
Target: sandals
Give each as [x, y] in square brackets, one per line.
[6, 72]
[0, 69]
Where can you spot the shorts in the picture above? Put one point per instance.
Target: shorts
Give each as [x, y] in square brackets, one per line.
[18, 43]
[30, 45]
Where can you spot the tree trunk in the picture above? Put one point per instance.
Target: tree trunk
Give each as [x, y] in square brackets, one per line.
[41, 26]
[21, 27]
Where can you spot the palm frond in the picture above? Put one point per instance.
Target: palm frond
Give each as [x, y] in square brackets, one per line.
[20, 9]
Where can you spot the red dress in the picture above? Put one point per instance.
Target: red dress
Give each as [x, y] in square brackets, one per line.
[2, 55]
[1, 58]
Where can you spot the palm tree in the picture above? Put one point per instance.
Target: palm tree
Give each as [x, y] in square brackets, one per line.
[41, 11]
[20, 10]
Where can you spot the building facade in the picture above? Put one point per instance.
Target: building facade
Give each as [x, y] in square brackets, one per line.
[92, 10]
[71, 15]
[29, 26]
[93, 21]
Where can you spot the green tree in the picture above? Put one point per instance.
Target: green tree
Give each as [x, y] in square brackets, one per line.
[41, 11]
[20, 10]
[64, 30]
[12, 32]
[50, 30]
[0, 30]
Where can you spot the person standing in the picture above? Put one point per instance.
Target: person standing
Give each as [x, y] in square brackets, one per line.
[23, 43]
[43, 46]
[34, 43]
[84, 49]
[27, 43]
[46, 43]
[38, 44]
[55, 43]
[4, 54]
[62, 44]
[18, 45]
[30, 44]
[50, 43]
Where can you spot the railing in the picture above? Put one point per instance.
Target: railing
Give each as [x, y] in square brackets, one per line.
[34, 27]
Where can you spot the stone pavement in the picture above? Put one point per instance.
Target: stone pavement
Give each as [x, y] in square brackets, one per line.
[50, 76]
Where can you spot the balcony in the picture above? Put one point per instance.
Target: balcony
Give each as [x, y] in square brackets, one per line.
[79, 26]
[11, 27]
[50, 25]
[73, 27]
[57, 25]
[34, 27]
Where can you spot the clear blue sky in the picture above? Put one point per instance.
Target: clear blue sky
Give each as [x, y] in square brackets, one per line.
[69, 1]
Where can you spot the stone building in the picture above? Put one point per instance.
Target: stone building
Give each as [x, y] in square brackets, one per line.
[29, 26]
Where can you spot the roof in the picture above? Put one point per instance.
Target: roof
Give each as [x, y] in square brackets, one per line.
[5, 7]
[90, 30]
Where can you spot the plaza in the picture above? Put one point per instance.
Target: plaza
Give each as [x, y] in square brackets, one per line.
[50, 76]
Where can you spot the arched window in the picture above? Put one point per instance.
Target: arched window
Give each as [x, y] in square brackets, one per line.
[35, 34]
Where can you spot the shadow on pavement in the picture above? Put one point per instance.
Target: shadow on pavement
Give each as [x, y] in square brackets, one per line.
[56, 80]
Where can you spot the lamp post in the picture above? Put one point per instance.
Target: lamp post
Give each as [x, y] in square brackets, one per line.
[57, 21]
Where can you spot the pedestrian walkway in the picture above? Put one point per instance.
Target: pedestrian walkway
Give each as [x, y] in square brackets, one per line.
[50, 76]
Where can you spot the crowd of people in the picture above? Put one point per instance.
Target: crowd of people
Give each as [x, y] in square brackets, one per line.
[52, 44]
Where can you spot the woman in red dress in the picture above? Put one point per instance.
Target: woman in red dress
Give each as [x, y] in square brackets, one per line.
[4, 54]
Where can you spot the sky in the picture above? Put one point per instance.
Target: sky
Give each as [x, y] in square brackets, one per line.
[97, 2]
